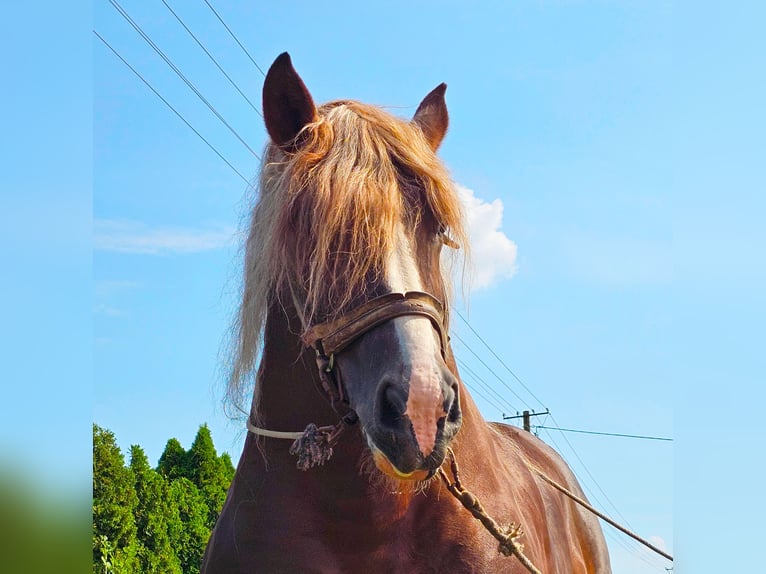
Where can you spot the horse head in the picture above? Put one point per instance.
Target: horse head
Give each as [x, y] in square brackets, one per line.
[360, 210]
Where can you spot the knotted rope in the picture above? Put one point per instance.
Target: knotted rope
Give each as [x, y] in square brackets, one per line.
[315, 446]
[506, 535]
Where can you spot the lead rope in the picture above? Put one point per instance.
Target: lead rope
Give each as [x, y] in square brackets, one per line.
[506, 535]
[601, 515]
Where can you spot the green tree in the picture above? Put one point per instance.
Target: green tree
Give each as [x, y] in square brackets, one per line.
[115, 546]
[208, 472]
[227, 468]
[155, 521]
[173, 462]
[152, 514]
[187, 526]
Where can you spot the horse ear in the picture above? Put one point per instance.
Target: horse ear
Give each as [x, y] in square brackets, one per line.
[287, 103]
[432, 117]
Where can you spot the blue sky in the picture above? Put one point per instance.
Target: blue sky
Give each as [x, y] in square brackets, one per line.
[614, 164]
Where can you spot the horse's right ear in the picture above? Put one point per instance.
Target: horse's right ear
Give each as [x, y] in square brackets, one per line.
[287, 103]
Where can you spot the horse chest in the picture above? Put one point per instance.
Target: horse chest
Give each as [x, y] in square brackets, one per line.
[274, 526]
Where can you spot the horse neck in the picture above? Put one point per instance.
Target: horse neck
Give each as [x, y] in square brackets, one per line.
[289, 394]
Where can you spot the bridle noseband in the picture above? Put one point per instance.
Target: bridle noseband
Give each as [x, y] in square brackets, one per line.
[331, 337]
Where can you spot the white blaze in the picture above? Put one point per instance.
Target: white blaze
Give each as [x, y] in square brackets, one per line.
[417, 335]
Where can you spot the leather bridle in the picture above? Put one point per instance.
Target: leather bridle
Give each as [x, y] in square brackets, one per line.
[330, 338]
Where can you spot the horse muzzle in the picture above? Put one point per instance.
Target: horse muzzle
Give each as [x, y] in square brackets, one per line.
[409, 435]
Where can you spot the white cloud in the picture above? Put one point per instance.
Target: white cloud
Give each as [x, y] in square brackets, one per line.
[493, 254]
[134, 237]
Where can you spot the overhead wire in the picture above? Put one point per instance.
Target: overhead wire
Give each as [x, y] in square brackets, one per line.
[633, 549]
[478, 392]
[605, 433]
[209, 55]
[553, 418]
[465, 368]
[492, 400]
[180, 74]
[627, 544]
[168, 104]
[569, 444]
[507, 368]
[506, 385]
[235, 37]
[593, 478]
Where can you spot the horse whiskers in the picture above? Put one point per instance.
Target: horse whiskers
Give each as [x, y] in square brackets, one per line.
[388, 484]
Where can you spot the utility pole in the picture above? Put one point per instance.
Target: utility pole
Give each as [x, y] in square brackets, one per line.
[526, 415]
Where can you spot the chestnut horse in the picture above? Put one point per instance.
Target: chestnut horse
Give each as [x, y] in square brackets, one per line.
[342, 301]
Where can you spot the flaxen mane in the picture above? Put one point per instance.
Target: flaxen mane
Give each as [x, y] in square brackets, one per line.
[326, 217]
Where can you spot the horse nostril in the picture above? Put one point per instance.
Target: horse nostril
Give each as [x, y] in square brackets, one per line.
[392, 404]
[452, 404]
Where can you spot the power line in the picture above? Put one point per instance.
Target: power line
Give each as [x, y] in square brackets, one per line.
[585, 504]
[585, 467]
[506, 385]
[209, 55]
[605, 433]
[507, 368]
[477, 391]
[488, 398]
[235, 37]
[178, 72]
[619, 540]
[467, 370]
[538, 400]
[168, 104]
[628, 546]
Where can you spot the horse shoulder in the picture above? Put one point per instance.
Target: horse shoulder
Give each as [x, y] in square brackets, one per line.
[581, 528]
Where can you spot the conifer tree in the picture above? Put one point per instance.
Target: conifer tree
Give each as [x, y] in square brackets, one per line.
[208, 473]
[173, 461]
[149, 521]
[115, 546]
[227, 468]
[187, 526]
[152, 515]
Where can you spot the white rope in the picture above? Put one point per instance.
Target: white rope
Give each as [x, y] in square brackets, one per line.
[272, 433]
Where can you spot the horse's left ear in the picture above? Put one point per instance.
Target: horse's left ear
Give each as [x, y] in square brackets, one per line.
[432, 117]
[287, 103]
